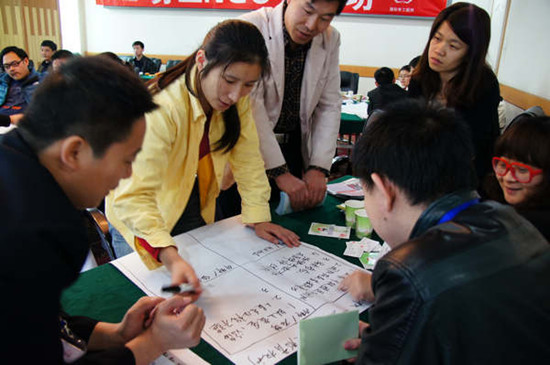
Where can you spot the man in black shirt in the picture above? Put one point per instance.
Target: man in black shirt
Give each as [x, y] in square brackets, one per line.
[140, 62]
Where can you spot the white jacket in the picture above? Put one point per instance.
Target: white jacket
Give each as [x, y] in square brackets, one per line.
[320, 101]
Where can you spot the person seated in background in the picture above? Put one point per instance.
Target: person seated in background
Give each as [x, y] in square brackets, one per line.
[404, 76]
[204, 122]
[60, 57]
[140, 63]
[297, 109]
[386, 90]
[466, 281]
[47, 49]
[78, 138]
[17, 85]
[521, 170]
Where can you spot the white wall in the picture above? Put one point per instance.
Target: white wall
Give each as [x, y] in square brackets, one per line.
[366, 41]
[525, 61]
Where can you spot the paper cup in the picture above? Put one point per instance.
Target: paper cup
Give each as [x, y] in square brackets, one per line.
[363, 227]
[351, 206]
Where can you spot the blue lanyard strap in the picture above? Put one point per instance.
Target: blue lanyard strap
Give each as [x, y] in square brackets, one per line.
[453, 212]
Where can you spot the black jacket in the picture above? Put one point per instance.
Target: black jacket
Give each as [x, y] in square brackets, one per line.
[384, 95]
[481, 117]
[473, 290]
[147, 65]
[44, 244]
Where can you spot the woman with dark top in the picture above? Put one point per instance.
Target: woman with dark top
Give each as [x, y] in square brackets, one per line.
[452, 71]
[522, 171]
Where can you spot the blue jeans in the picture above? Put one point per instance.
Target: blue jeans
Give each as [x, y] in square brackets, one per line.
[121, 247]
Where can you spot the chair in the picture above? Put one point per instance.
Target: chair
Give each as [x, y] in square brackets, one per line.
[349, 81]
[157, 62]
[99, 236]
[171, 63]
[126, 58]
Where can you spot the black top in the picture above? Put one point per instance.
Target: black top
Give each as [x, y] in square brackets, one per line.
[44, 246]
[481, 117]
[473, 290]
[384, 95]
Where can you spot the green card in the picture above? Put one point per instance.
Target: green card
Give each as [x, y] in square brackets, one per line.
[322, 339]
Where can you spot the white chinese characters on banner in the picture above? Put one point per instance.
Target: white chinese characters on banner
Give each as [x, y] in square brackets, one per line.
[357, 4]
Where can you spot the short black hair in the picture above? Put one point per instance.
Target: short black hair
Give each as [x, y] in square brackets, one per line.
[91, 97]
[424, 150]
[50, 44]
[62, 54]
[341, 4]
[18, 51]
[414, 61]
[138, 43]
[405, 68]
[384, 76]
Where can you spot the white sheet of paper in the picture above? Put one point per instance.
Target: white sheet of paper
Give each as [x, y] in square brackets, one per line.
[179, 357]
[353, 250]
[350, 187]
[255, 292]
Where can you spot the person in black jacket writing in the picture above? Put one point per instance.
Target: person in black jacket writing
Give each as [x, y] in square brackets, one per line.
[78, 138]
[466, 281]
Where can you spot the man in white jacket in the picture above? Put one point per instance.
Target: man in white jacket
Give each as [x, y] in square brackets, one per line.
[297, 109]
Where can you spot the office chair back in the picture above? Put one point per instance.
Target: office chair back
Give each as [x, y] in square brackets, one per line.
[157, 62]
[171, 63]
[349, 81]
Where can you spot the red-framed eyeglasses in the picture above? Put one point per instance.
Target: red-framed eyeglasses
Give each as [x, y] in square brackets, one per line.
[521, 172]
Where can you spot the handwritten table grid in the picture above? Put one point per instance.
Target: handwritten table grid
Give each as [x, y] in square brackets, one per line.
[255, 293]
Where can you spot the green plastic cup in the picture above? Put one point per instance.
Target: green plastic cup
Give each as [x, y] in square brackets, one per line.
[363, 227]
[351, 206]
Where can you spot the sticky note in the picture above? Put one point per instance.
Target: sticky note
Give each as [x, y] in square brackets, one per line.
[321, 339]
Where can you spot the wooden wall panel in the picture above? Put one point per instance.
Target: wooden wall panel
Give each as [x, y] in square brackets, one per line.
[26, 23]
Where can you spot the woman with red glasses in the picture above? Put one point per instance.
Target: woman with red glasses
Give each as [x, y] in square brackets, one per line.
[522, 170]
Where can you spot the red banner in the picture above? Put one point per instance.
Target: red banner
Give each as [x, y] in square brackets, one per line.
[406, 8]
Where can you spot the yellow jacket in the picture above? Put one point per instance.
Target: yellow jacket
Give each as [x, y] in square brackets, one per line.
[150, 202]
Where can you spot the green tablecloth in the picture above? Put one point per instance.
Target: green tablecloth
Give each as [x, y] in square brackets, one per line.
[351, 124]
[105, 294]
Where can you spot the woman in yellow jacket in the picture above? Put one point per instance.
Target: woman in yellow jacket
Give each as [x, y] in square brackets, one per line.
[203, 122]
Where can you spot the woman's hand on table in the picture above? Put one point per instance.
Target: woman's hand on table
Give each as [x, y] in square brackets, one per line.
[181, 271]
[358, 284]
[275, 233]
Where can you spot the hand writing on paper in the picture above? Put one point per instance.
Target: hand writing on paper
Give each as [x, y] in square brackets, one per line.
[358, 284]
[275, 233]
[354, 343]
[316, 185]
[177, 324]
[296, 189]
[181, 271]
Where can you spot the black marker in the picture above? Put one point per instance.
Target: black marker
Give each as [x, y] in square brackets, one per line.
[183, 288]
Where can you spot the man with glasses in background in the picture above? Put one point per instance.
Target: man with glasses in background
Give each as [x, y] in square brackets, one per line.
[17, 85]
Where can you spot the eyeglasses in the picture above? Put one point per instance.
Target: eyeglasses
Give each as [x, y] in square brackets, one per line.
[7, 66]
[521, 172]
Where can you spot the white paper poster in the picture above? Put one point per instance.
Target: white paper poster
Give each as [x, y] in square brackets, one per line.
[255, 292]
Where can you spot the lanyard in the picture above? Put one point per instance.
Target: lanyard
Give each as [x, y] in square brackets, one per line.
[453, 212]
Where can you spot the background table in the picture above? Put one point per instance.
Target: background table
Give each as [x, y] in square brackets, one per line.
[105, 294]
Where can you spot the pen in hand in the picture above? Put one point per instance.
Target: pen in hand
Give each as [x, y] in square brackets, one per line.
[182, 288]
